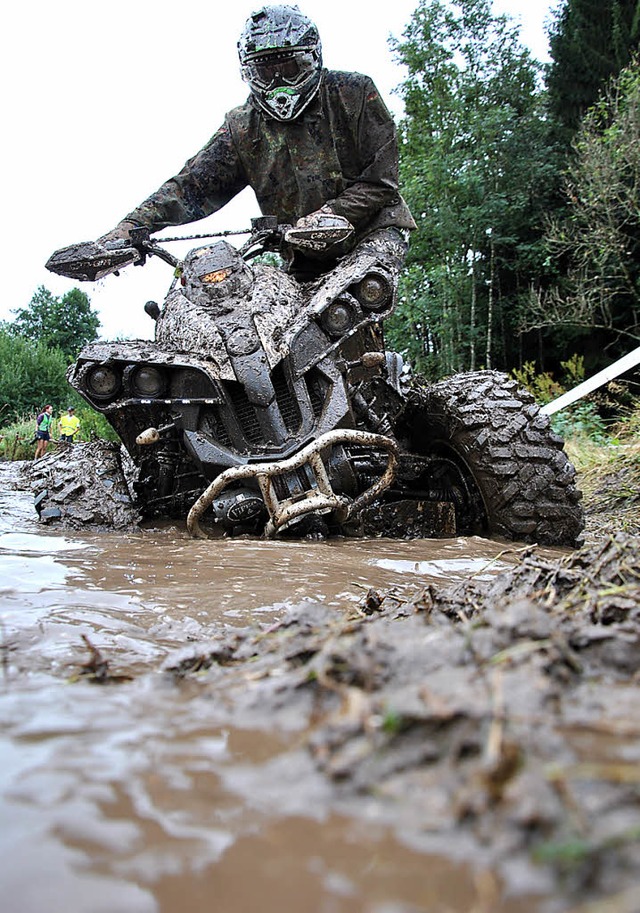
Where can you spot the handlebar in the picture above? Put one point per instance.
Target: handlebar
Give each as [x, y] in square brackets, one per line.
[91, 260]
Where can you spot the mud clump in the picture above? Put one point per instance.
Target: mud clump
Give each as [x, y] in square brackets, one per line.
[83, 485]
[501, 718]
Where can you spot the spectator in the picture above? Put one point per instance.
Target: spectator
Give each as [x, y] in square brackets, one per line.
[69, 425]
[43, 431]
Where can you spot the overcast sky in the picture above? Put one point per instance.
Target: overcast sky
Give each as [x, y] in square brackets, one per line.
[104, 102]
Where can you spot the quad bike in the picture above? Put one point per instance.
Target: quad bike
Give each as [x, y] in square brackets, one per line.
[269, 405]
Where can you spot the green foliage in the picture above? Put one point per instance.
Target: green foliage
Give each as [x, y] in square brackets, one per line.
[566, 853]
[93, 425]
[16, 440]
[473, 161]
[16, 437]
[581, 420]
[542, 386]
[590, 43]
[269, 258]
[597, 243]
[482, 164]
[392, 722]
[580, 851]
[65, 323]
[31, 375]
[573, 370]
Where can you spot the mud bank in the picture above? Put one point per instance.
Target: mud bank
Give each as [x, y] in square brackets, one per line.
[497, 721]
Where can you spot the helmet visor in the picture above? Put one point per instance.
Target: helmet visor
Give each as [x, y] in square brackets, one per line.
[280, 69]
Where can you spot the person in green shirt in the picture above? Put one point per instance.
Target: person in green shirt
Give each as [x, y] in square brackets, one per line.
[43, 431]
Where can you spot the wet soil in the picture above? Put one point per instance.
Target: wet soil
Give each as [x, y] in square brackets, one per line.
[477, 737]
[83, 485]
[489, 720]
[611, 489]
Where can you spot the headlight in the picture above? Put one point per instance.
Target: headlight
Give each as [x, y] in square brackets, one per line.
[374, 292]
[217, 275]
[339, 317]
[103, 381]
[146, 381]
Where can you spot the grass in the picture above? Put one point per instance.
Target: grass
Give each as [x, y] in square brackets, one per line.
[16, 438]
[609, 474]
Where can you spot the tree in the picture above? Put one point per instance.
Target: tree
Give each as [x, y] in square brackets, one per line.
[598, 243]
[31, 375]
[473, 161]
[66, 323]
[590, 42]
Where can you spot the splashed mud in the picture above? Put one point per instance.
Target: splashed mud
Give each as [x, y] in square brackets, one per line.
[385, 726]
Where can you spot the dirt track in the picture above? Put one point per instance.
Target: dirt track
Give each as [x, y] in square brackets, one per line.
[500, 718]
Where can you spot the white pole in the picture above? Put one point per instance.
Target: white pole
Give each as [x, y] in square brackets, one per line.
[588, 386]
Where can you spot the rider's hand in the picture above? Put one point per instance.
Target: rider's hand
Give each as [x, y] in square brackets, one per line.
[120, 233]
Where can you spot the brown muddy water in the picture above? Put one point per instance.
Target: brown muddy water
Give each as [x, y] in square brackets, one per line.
[135, 797]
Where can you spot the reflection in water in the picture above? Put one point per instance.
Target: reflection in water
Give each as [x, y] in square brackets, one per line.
[133, 798]
[447, 568]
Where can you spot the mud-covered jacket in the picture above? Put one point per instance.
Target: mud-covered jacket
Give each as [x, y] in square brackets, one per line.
[342, 150]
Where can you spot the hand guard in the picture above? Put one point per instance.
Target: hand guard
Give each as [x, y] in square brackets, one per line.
[319, 231]
[91, 260]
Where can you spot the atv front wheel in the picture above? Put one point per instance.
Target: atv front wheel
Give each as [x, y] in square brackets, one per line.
[518, 481]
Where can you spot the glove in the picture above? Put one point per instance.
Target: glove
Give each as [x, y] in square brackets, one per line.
[319, 231]
[119, 233]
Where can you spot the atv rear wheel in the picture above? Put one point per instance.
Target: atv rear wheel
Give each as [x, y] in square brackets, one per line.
[520, 484]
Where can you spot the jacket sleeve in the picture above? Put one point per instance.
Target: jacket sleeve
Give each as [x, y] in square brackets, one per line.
[204, 185]
[377, 184]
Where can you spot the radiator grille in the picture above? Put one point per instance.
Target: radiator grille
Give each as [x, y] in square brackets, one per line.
[245, 414]
[286, 399]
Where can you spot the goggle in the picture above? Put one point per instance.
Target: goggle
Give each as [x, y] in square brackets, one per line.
[278, 69]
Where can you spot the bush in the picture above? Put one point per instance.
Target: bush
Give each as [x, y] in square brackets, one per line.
[31, 375]
[16, 440]
[94, 425]
[542, 387]
[581, 420]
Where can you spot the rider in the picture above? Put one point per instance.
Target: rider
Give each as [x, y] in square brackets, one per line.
[317, 146]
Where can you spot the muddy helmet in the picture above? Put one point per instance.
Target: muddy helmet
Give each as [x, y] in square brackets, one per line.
[281, 60]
